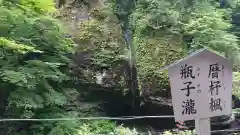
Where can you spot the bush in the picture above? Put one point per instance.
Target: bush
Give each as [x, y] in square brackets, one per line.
[105, 127]
[120, 130]
[96, 127]
[180, 133]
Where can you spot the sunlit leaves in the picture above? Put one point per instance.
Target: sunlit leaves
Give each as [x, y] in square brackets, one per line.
[41, 6]
[33, 61]
[209, 28]
[236, 84]
[17, 48]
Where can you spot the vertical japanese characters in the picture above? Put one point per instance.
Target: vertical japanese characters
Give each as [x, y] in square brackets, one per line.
[201, 86]
[215, 102]
[188, 75]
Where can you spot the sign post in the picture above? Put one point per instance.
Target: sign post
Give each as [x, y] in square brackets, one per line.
[202, 126]
[201, 88]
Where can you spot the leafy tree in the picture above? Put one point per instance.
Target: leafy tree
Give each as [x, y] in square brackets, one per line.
[154, 44]
[34, 67]
[34, 63]
[164, 31]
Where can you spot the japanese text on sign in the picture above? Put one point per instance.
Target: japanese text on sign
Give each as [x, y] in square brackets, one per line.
[187, 72]
[201, 86]
[215, 84]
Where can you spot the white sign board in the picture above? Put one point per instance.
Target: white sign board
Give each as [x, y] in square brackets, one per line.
[201, 86]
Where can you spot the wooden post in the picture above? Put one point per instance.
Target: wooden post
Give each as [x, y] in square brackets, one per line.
[202, 126]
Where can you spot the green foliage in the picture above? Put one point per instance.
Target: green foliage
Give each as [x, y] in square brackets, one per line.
[33, 67]
[84, 130]
[236, 84]
[96, 127]
[209, 28]
[110, 128]
[102, 126]
[103, 40]
[164, 31]
[33, 61]
[157, 42]
[120, 130]
[180, 133]
[101, 36]
[43, 6]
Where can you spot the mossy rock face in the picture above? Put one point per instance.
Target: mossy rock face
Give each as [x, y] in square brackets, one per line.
[153, 54]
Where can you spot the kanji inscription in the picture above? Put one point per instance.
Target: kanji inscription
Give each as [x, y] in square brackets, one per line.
[201, 86]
